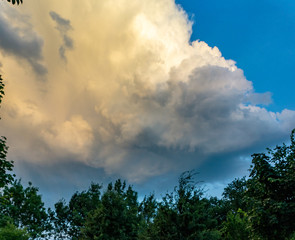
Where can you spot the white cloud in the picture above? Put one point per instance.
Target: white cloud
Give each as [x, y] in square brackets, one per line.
[135, 98]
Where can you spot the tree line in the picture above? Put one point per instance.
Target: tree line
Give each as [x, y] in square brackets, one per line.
[261, 206]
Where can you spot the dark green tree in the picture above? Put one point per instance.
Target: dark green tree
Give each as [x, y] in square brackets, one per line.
[147, 208]
[236, 226]
[271, 192]
[218, 209]
[234, 194]
[26, 208]
[116, 217]
[60, 220]
[184, 214]
[147, 212]
[5, 166]
[69, 220]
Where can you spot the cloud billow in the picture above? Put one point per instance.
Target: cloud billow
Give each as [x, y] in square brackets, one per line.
[137, 98]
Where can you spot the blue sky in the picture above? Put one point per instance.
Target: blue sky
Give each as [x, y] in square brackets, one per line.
[97, 91]
[258, 35]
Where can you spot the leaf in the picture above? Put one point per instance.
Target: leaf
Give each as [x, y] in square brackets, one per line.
[15, 1]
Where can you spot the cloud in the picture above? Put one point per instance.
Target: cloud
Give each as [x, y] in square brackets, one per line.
[63, 26]
[136, 99]
[19, 39]
[260, 98]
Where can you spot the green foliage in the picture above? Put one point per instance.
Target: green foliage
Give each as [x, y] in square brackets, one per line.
[8, 231]
[11, 232]
[218, 209]
[147, 208]
[236, 226]
[184, 214]
[116, 216]
[5, 166]
[25, 207]
[60, 220]
[292, 236]
[271, 192]
[147, 212]
[68, 220]
[234, 194]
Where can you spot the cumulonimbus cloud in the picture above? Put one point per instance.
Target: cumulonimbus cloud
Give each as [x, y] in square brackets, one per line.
[136, 96]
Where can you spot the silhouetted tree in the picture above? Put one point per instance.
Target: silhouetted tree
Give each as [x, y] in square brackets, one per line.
[234, 194]
[68, 220]
[5, 166]
[15, 1]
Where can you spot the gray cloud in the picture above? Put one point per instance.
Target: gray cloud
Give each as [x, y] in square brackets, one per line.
[63, 26]
[260, 98]
[18, 38]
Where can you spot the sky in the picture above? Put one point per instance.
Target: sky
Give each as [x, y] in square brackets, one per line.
[144, 90]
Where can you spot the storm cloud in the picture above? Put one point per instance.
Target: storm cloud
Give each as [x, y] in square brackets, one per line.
[136, 98]
[17, 38]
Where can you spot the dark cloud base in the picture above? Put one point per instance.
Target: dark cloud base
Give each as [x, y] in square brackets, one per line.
[61, 179]
[22, 41]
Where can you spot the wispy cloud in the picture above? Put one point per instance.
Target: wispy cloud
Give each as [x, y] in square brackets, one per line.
[63, 26]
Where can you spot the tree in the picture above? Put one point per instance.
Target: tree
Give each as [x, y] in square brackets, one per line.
[236, 226]
[60, 220]
[1, 89]
[234, 194]
[271, 192]
[69, 220]
[147, 208]
[184, 214]
[217, 210]
[15, 1]
[5, 166]
[147, 212]
[11, 232]
[24, 206]
[116, 217]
